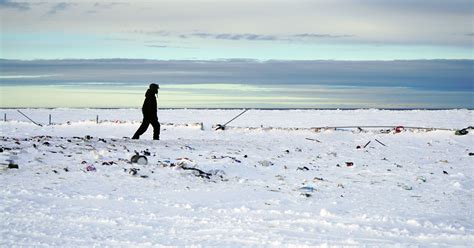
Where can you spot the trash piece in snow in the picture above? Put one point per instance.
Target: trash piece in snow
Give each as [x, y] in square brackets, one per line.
[380, 142]
[313, 140]
[306, 189]
[406, 187]
[186, 147]
[318, 179]
[304, 168]
[88, 137]
[13, 166]
[265, 163]
[398, 129]
[66, 169]
[139, 159]
[133, 171]
[358, 147]
[367, 144]
[221, 157]
[461, 132]
[90, 168]
[471, 154]
[198, 172]
[306, 194]
[445, 172]
[421, 178]
[349, 164]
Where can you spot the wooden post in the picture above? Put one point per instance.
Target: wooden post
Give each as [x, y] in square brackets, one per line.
[5, 117]
[97, 119]
[50, 119]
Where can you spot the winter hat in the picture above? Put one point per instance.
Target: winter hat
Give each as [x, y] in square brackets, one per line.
[154, 87]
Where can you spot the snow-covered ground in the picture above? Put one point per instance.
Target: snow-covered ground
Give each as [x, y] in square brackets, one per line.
[255, 186]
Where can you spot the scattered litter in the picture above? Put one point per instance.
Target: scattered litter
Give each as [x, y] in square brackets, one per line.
[421, 178]
[349, 164]
[313, 140]
[221, 157]
[405, 187]
[265, 163]
[91, 168]
[380, 142]
[13, 166]
[367, 144]
[304, 168]
[133, 171]
[306, 189]
[198, 172]
[139, 159]
[461, 132]
[445, 172]
[398, 129]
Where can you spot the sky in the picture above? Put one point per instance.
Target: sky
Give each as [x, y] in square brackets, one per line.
[254, 29]
[228, 53]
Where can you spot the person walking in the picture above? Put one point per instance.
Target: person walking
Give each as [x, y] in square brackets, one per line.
[149, 110]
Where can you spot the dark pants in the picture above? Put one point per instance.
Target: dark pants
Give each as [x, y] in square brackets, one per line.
[145, 123]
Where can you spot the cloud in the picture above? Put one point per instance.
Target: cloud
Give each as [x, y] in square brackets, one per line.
[14, 5]
[60, 7]
[306, 35]
[243, 36]
[439, 75]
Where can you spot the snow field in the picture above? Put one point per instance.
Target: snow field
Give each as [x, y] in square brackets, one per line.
[415, 191]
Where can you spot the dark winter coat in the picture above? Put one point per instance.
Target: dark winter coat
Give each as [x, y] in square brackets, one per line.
[149, 105]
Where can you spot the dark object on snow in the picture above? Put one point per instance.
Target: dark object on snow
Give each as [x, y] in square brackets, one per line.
[29, 118]
[149, 110]
[367, 144]
[222, 127]
[358, 147]
[139, 159]
[461, 132]
[13, 166]
[304, 168]
[398, 129]
[349, 164]
[201, 173]
[445, 172]
[88, 137]
[66, 169]
[133, 171]
[1, 149]
[471, 154]
[313, 140]
[90, 168]
[380, 142]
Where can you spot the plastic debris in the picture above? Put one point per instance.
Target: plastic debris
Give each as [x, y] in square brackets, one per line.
[265, 163]
[421, 178]
[306, 189]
